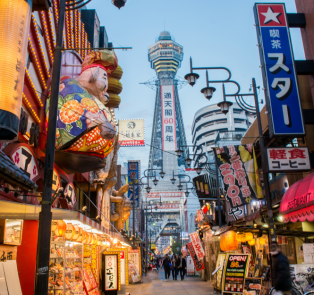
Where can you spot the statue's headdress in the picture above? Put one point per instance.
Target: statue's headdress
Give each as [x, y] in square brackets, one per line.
[105, 59]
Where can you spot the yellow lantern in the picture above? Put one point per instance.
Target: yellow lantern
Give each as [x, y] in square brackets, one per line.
[262, 241]
[69, 231]
[252, 242]
[228, 241]
[61, 228]
[84, 237]
[14, 28]
[76, 233]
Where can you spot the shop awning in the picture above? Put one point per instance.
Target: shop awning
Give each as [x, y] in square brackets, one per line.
[12, 210]
[297, 204]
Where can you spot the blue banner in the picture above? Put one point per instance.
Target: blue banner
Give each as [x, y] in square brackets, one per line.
[133, 180]
[280, 80]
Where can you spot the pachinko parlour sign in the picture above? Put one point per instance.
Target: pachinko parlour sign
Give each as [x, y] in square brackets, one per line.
[238, 168]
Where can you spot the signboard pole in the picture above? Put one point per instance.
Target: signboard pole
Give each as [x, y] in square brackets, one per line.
[264, 166]
[133, 213]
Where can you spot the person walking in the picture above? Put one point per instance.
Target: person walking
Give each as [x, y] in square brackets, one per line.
[280, 270]
[166, 264]
[174, 267]
[157, 262]
[182, 266]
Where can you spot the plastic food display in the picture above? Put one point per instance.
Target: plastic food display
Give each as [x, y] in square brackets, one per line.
[66, 269]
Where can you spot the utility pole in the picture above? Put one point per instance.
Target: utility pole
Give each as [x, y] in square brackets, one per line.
[134, 193]
[272, 231]
[218, 196]
[146, 241]
[45, 216]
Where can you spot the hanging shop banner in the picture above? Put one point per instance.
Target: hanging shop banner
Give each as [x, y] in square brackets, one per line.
[132, 132]
[134, 175]
[56, 184]
[234, 213]
[238, 167]
[14, 26]
[168, 118]
[288, 159]
[197, 263]
[111, 271]
[134, 260]
[277, 63]
[196, 242]
[235, 272]
[252, 286]
[95, 262]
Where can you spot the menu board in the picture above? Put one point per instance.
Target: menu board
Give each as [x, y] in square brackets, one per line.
[252, 286]
[234, 273]
[219, 267]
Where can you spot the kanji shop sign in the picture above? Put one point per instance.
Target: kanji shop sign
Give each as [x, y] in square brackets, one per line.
[197, 263]
[168, 118]
[288, 159]
[134, 175]
[237, 165]
[132, 132]
[164, 195]
[70, 192]
[278, 70]
[166, 207]
[196, 242]
[111, 272]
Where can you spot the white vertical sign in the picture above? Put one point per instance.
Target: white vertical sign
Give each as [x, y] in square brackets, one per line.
[168, 118]
[111, 272]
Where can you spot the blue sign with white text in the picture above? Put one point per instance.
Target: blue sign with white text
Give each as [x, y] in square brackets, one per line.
[278, 70]
[133, 177]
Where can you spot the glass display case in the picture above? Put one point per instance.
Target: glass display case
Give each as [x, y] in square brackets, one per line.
[66, 269]
[11, 231]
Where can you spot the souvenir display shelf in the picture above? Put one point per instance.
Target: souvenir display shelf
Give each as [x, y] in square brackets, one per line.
[66, 269]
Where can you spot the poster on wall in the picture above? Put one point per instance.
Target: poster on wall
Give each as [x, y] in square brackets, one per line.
[238, 168]
[252, 286]
[111, 272]
[234, 273]
[132, 132]
[124, 273]
[169, 141]
[134, 265]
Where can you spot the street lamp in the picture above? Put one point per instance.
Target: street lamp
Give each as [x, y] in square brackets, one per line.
[155, 181]
[162, 174]
[198, 170]
[180, 186]
[148, 189]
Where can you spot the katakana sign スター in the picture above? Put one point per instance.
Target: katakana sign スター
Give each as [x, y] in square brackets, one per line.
[279, 77]
[168, 118]
[134, 175]
[132, 132]
[238, 168]
[288, 159]
[196, 242]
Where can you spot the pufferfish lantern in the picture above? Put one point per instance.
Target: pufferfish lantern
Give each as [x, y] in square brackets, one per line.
[85, 135]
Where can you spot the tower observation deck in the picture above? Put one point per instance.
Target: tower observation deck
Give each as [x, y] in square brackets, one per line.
[165, 57]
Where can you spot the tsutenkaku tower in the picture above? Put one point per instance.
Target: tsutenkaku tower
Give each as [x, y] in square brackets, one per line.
[165, 57]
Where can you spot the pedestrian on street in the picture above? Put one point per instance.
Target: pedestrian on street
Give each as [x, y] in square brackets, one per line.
[166, 264]
[181, 266]
[174, 267]
[157, 262]
[281, 270]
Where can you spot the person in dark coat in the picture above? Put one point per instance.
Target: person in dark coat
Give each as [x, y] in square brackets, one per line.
[174, 267]
[166, 266]
[181, 266]
[281, 269]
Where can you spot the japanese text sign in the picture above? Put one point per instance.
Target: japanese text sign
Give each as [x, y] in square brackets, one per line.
[134, 175]
[168, 118]
[288, 159]
[132, 132]
[95, 262]
[198, 263]
[237, 165]
[279, 74]
[196, 242]
[235, 273]
[111, 272]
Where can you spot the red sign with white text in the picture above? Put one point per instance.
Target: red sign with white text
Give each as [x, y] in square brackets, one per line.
[197, 245]
[198, 263]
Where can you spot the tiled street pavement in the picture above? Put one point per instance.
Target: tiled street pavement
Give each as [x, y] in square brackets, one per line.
[156, 284]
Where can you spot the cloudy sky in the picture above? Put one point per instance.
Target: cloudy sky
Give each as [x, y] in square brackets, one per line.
[214, 33]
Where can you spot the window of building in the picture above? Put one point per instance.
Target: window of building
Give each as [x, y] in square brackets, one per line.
[237, 111]
[222, 121]
[240, 121]
[210, 143]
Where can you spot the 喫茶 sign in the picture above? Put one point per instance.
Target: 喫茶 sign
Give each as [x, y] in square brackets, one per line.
[279, 77]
